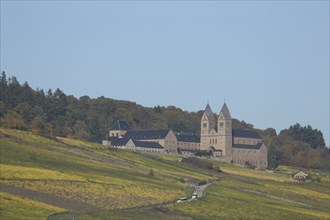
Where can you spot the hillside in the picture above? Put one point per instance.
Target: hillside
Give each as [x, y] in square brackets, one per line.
[56, 114]
[41, 176]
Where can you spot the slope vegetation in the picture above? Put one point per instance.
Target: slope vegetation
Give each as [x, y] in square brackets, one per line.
[41, 176]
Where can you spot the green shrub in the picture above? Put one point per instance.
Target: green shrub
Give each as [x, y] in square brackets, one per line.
[202, 182]
[204, 164]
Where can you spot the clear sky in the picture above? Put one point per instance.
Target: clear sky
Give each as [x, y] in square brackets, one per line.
[268, 59]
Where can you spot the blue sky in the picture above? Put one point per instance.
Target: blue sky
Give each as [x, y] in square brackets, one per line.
[268, 59]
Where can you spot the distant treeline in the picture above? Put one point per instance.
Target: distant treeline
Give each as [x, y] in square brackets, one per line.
[55, 113]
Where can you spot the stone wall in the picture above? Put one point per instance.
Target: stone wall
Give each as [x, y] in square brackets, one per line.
[253, 157]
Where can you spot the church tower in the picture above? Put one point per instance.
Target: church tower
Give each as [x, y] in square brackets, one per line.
[207, 125]
[224, 134]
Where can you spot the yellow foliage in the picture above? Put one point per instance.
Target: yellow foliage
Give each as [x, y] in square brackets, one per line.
[19, 172]
[104, 196]
[259, 174]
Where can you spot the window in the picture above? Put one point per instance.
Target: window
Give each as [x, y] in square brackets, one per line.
[221, 124]
[204, 125]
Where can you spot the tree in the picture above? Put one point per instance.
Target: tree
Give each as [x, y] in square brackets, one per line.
[3, 87]
[306, 134]
[270, 132]
[80, 130]
[13, 93]
[313, 159]
[272, 160]
[38, 125]
[13, 120]
[2, 108]
[25, 110]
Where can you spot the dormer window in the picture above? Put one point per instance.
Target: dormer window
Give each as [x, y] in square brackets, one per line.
[221, 124]
[204, 125]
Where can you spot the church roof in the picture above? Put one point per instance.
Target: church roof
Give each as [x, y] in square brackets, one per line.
[146, 134]
[247, 146]
[121, 125]
[147, 144]
[225, 111]
[246, 134]
[187, 137]
[208, 111]
[115, 141]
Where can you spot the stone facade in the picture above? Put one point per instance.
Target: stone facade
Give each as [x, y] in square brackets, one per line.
[236, 146]
[217, 138]
[188, 142]
[251, 156]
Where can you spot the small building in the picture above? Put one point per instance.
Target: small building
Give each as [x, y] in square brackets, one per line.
[300, 175]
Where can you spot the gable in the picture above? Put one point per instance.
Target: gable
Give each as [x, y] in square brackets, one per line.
[121, 125]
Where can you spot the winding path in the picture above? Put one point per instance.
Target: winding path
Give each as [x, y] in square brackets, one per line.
[80, 208]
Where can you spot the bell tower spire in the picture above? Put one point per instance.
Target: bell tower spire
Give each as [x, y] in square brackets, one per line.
[207, 124]
[225, 130]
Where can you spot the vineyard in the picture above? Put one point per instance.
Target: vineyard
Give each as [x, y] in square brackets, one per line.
[41, 176]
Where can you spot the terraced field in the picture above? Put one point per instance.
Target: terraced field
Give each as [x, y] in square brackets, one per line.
[41, 176]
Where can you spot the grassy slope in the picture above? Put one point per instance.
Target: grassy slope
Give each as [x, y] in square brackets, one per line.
[230, 199]
[119, 179]
[15, 207]
[102, 178]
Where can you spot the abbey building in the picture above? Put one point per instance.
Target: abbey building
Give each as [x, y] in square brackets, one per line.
[217, 140]
[236, 146]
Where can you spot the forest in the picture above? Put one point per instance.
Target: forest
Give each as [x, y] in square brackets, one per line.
[53, 113]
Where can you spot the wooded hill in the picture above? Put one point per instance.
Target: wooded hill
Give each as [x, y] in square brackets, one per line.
[56, 114]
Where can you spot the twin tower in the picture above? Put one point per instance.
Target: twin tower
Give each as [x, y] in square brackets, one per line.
[217, 137]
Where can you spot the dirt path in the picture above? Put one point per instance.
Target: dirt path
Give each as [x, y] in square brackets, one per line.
[74, 206]
[200, 189]
[274, 197]
[81, 208]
